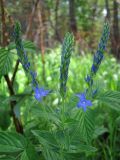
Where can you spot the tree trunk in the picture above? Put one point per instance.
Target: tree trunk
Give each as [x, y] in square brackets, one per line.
[29, 27]
[72, 21]
[42, 33]
[57, 35]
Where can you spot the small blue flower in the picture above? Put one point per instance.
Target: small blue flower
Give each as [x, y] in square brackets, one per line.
[40, 93]
[88, 78]
[83, 102]
[94, 68]
[26, 66]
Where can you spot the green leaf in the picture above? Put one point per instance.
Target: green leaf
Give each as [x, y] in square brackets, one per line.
[5, 118]
[28, 46]
[5, 61]
[51, 155]
[13, 143]
[45, 138]
[111, 99]
[50, 147]
[29, 153]
[99, 131]
[47, 115]
[86, 124]
[78, 148]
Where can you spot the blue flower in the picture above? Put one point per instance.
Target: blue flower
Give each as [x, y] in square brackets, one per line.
[26, 66]
[98, 57]
[88, 78]
[94, 68]
[40, 93]
[83, 102]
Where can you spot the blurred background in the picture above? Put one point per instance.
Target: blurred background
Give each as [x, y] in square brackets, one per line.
[45, 22]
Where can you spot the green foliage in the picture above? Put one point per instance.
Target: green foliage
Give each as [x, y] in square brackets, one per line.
[47, 114]
[111, 98]
[54, 145]
[5, 61]
[17, 146]
[84, 14]
[4, 119]
[28, 45]
[4, 114]
[7, 56]
[86, 124]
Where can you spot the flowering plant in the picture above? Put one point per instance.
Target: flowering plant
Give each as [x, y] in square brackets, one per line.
[68, 130]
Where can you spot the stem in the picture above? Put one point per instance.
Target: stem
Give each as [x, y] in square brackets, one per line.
[18, 125]
[63, 120]
[63, 111]
[14, 73]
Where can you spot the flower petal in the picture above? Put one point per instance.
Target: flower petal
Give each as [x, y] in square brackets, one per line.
[81, 96]
[40, 92]
[89, 103]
